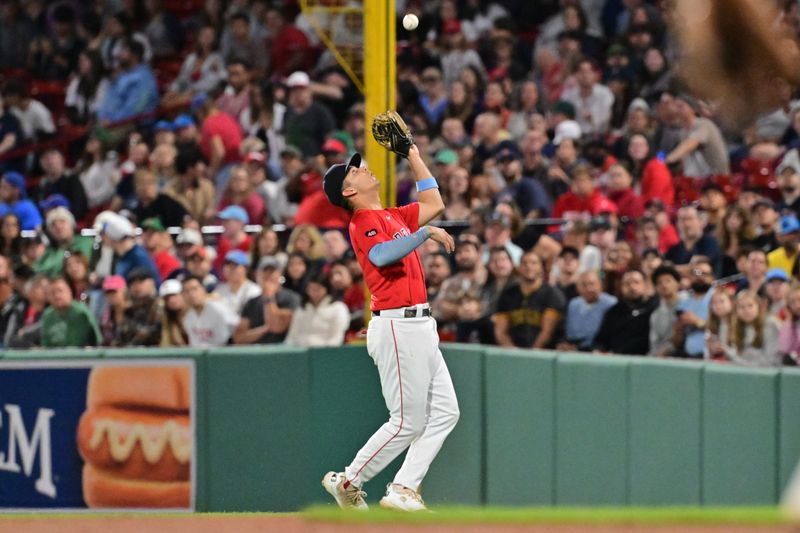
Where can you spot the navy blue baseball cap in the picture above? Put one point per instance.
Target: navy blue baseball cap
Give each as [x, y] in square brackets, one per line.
[334, 177]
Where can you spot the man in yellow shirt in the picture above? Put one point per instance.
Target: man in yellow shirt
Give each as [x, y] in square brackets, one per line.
[785, 256]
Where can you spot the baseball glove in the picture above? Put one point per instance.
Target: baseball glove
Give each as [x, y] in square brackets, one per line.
[391, 132]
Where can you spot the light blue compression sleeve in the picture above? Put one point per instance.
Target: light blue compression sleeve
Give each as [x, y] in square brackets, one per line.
[386, 253]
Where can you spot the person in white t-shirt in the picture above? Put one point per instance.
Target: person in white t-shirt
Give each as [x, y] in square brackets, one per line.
[322, 321]
[34, 118]
[208, 323]
[237, 289]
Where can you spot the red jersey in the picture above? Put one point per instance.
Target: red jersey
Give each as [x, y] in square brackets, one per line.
[401, 284]
[229, 132]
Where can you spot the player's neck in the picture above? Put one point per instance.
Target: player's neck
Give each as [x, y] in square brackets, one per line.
[374, 204]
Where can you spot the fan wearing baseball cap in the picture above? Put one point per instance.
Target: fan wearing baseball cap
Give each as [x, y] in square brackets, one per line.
[13, 199]
[785, 257]
[237, 289]
[307, 122]
[234, 219]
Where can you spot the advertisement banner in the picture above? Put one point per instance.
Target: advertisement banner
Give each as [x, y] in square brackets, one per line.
[97, 434]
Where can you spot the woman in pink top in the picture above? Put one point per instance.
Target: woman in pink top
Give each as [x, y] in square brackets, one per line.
[239, 191]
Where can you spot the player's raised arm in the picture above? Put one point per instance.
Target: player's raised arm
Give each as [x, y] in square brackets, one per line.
[430, 201]
[390, 131]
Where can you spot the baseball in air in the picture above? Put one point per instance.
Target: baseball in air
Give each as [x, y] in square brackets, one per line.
[410, 22]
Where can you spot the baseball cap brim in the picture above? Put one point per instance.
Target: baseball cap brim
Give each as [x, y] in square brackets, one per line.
[334, 177]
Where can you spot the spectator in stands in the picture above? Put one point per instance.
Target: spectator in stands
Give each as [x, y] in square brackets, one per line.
[208, 323]
[116, 303]
[626, 325]
[776, 290]
[735, 231]
[785, 257]
[16, 34]
[98, 170]
[138, 159]
[298, 270]
[235, 99]
[437, 271]
[487, 135]
[266, 318]
[238, 44]
[651, 173]
[130, 256]
[322, 321]
[693, 312]
[10, 237]
[702, 151]
[61, 230]
[592, 100]
[753, 339]
[240, 192]
[233, 237]
[220, 138]
[57, 181]
[789, 337]
[719, 324]
[788, 178]
[141, 325]
[307, 240]
[667, 282]
[755, 272]
[76, 272]
[713, 204]
[289, 47]
[268, 244]
[154, 204]
[501, 274]
[582, 199]
[158, 243]
[198, 263]
[11, 134]
[23, 322]
[35, 120]
[529, 195]
[10, 299]
[469, 278]
[766, 219]
[306, 122]
[585, 313]
[528, 312]
[13, 199]
[202, 70]
[263, 120]
[116, 34]
[237, 290]
[87, 88]
[67, 323]
[630, 206]
[693, 241]
[567, 278]
[191, 187]
[133, 93]
[349, 290]
[172, 332]
[163, 30]
[433, 96]
[498, 233]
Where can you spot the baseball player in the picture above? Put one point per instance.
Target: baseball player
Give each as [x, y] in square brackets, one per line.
[401, 337]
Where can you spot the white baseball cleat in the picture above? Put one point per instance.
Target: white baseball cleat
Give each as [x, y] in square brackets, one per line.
[350, 498]
[400, 498]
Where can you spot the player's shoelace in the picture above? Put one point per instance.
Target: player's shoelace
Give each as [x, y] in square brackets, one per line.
[355, 496]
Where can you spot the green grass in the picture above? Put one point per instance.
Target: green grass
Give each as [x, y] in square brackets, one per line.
[485, 515]
[560, 515]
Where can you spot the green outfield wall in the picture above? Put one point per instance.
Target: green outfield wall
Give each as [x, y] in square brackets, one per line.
[536, 427]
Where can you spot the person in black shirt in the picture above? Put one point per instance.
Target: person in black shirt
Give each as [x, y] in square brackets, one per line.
[152, 204]
[693, 241]
[528, 312]
[625, 328]
[766, 218]
[56, 181]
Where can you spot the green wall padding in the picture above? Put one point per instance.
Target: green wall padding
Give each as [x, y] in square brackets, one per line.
[258, 430]
[591, 430]
[739, 436]
[520, 427]
[456, 476]
[665, 433]
[789, 426]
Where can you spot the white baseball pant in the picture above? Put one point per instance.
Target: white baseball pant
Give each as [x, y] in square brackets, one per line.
[419, 394]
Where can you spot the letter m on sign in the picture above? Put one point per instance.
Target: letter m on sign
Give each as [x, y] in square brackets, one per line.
[39, 441]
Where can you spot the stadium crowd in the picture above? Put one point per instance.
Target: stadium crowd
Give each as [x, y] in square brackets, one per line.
[598, 206]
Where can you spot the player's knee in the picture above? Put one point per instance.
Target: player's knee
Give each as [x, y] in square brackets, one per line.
[413, 427]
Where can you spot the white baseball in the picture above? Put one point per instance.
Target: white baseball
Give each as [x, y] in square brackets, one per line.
[410, 22]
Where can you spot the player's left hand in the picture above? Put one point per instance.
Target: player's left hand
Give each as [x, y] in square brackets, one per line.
[442, 237]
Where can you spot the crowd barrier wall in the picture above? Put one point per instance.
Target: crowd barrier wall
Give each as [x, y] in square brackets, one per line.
[536, 428]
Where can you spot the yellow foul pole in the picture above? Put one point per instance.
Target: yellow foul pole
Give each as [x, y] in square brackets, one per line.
[380, 63]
